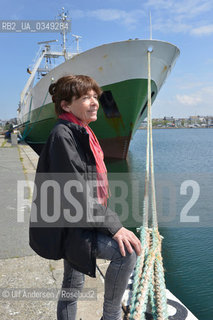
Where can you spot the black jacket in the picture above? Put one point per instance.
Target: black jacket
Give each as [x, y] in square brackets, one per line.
[67, 157]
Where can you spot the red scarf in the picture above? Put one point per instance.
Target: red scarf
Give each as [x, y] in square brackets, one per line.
[102, 189]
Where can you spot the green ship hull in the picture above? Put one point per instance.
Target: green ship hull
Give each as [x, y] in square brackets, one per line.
[120, 68]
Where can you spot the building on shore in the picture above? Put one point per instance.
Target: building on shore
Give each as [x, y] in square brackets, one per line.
[171, 122]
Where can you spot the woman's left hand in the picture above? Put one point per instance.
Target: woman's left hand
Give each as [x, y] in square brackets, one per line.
[128, 239]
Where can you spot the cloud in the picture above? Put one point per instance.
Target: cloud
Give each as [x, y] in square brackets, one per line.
[185, 101]
[208, 91]
[188, 100]
[162, 4]
[203, 30]
[181, 8]
[171, 26]
[78, 14]
[202, 96]
[128, 18]
[182, 16]
[191, 8]
[188, 95]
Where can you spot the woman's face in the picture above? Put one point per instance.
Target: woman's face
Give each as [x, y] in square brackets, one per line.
[84, 108]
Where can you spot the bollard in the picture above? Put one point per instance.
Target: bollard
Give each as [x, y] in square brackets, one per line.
[14, 140]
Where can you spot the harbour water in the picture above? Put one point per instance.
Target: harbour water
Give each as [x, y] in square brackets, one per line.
[184, 175]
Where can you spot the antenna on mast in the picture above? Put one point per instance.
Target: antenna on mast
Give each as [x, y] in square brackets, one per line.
[150, 25]
[46, 42]
[77, 41]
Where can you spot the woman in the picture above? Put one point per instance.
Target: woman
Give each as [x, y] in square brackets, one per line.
[72, 148]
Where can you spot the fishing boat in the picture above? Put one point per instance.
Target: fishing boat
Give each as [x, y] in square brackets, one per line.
[120, 68]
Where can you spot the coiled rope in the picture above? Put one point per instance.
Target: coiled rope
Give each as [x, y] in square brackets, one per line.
[149, 284]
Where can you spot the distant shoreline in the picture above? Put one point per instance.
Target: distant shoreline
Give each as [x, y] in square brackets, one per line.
[144, 128]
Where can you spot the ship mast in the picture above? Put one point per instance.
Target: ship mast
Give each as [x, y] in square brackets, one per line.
[47, 53]
[63, 18]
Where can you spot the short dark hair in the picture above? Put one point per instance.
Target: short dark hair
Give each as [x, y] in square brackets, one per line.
[71, 86]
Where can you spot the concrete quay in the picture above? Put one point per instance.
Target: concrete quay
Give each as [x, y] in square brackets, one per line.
[23, 274]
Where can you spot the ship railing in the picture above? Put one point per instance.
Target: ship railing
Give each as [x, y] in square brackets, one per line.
[51, 52]
[46, 51]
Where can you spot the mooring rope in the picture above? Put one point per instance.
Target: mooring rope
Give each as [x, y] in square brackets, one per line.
[149, 282]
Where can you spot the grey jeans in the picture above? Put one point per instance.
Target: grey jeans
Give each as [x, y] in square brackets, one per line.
[116, 280]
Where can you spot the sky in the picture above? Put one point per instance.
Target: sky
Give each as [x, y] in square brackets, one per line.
[186, 23]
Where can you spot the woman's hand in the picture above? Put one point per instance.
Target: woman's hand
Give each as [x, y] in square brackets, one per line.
[128, 239]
